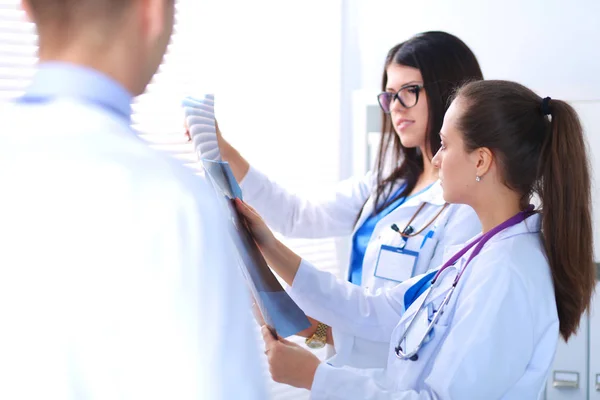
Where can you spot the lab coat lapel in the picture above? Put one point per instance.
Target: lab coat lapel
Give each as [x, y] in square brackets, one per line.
[434, 195]
[441, 288]
[369, 206]
[366, 213]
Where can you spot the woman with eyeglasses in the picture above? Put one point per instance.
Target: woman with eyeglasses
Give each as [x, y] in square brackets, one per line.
[399, 221]
[485, 323]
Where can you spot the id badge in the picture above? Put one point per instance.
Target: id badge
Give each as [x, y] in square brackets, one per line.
[395, 263]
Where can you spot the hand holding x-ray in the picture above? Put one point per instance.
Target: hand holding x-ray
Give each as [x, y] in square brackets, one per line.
[279, 311]
[201, 126]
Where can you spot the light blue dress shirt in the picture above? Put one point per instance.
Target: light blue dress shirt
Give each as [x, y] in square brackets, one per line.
[59, 79]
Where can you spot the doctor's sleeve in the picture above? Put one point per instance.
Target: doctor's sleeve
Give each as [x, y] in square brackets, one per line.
[332, 213]
[348, 307]
[486, 350]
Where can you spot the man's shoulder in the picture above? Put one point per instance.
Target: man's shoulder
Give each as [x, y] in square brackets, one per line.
[83, 141]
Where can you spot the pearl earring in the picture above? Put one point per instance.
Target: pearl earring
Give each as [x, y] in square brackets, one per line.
[478, 178]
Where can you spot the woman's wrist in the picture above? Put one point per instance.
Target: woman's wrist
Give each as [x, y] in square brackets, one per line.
[281, 259]
[330, 336]
[239, 165]
[308, 332]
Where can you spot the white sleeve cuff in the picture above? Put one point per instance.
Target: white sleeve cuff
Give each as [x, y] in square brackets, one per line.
[319, 387]
[252, 184]
[343, 344]
[301, 286]
[357, 352]
[304, 279]
[332, 383]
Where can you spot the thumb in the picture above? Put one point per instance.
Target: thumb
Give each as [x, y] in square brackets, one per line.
[267, 336]
[248, 212]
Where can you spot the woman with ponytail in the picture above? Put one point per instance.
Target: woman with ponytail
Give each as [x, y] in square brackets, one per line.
[485, 324]
[547, 157]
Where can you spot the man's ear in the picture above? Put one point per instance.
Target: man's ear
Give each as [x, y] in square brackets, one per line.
[153, 18]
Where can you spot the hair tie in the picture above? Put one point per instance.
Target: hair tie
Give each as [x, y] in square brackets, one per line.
[546, 106]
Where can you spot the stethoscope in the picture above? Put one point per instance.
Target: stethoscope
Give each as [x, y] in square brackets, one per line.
[409, 231]
[412, 354]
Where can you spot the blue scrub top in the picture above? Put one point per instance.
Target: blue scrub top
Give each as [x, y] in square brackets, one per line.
[362, 236]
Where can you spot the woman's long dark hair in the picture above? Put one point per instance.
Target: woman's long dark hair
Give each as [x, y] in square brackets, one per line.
[545, 155]
[445, 63]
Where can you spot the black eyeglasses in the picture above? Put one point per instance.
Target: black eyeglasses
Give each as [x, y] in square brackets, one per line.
[408, 96]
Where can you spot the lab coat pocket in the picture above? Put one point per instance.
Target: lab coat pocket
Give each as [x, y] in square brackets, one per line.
[407, 374]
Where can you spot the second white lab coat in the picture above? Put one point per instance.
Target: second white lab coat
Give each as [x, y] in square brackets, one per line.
[496, 338]
[339, 213]
[117, 274]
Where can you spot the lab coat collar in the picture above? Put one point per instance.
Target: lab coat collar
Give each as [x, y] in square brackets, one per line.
[533, 224]
[433, 195]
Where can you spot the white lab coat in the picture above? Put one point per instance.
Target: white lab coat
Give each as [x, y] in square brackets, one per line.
[335, 214]
[117, 275]
[495, 340]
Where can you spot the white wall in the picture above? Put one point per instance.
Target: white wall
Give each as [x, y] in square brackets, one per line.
[550, 46]
[275, 69]
[590, 116]
[276, 75]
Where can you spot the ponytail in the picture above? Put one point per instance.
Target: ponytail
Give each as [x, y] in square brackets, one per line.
[566, 217]
[541, 150]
